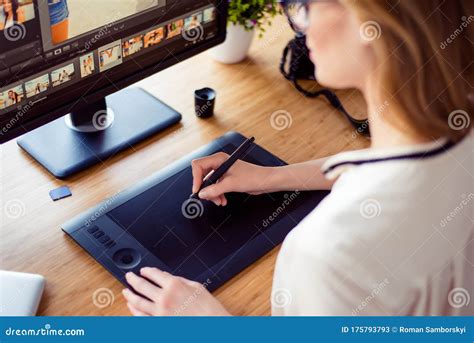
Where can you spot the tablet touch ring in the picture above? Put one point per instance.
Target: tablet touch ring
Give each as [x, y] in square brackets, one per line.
[127, 258]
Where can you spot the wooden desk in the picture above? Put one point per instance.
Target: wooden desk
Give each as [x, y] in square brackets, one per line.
[248, 94]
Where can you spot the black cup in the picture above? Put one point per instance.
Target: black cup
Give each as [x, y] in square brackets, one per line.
[204, 101]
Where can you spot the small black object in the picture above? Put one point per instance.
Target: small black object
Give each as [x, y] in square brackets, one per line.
[204, 101]
[60, 193]
[224, 167]
[300, 67]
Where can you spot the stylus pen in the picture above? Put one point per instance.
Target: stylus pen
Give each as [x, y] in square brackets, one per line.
[224, 167]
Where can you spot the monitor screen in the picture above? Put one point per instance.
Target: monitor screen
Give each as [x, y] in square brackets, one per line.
[58, 55]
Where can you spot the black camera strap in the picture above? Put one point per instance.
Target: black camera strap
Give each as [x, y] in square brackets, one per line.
[300, 67]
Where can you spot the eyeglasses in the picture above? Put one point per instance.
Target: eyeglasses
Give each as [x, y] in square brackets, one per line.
[297, 12]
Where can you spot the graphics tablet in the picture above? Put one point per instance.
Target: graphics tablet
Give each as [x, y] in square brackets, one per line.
[155, 224]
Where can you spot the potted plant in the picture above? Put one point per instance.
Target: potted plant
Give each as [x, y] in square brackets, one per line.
[245, 18]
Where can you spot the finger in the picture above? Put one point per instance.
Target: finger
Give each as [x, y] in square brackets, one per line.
[198, 177]
[137, 301]
[216, 201]
[189, 282]
[157, 276]
[216, 190]
[135, 311]
[202, 166]
[220, 199]
[142, 286]
[223, 200]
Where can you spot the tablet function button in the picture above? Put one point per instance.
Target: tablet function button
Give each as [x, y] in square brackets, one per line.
[127, 258]
[98, 234]
[104, 239]
[92, 229]
[110, 244]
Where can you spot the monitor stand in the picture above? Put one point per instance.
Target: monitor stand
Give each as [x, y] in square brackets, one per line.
[81, 139]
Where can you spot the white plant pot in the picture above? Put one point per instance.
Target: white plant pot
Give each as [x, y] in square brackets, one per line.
[236, 46]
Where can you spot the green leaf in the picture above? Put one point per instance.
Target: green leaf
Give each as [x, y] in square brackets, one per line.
[253, 13]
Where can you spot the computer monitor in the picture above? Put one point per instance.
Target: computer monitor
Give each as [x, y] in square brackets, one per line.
[75, 58]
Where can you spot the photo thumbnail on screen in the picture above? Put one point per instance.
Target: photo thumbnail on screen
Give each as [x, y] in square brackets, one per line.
[132, 46]
[15, 13]
[37, 85]
[87, 64]
[174, 29]
[72, 18]
[154, 37]
[193, 21]
[62, 75]
[110, 55]
[11, 96]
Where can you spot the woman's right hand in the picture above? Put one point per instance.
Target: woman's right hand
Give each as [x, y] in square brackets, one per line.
[242, 177]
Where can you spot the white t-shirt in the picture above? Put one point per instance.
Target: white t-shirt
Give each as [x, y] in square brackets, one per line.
[394, 237]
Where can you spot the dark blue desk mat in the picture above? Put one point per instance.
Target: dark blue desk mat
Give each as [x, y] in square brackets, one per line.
[149, 225]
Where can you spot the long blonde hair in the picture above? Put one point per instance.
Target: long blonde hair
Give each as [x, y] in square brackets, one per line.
[425, 52]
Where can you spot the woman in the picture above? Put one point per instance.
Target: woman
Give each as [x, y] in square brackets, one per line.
[193, 23]
[395, 236]
[14, 97]
[11, 13]
[38, 88]
[126, 48]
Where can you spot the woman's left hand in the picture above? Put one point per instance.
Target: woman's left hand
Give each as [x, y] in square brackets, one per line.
[176, 297]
